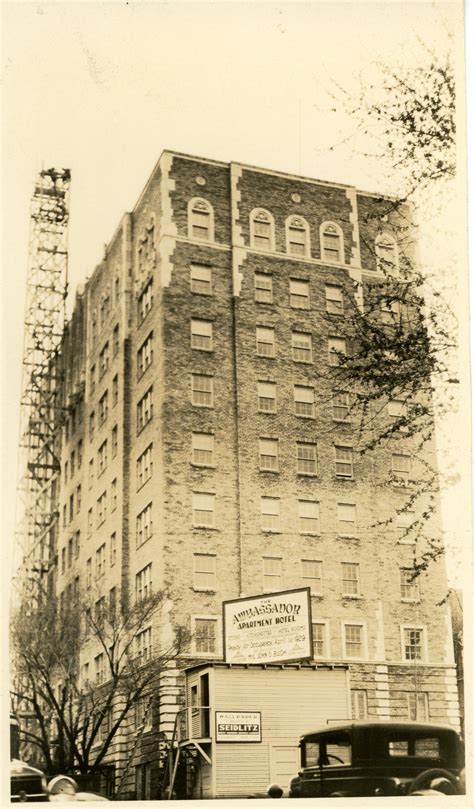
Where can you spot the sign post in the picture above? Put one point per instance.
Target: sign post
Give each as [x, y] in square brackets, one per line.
[271, 628]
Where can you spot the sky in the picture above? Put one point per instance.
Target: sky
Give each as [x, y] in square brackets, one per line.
[104, 87]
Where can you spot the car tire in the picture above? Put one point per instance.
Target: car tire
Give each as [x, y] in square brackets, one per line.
[423, 780]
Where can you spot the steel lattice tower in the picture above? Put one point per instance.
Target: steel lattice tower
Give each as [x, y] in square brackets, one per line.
[42, 393]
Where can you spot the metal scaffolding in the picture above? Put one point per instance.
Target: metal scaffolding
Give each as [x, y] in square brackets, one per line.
[42, 391]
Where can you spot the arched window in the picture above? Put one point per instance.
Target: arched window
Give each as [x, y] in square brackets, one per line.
[297, 236]
[200, 220]
[332, 243]
[262, 232]
[386, 253]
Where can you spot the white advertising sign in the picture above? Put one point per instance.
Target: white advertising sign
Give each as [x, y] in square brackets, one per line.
[238, 726]
[270, 628]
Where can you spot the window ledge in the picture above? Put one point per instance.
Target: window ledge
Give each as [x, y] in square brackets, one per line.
[308, 474]
[348, 536]
[269, 471]
[202, 465]
[205, 527]
[204, 589]
[353, 597]
[310, 534]
[271, 531]
[410, 600]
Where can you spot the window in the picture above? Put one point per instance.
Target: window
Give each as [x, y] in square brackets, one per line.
[144, 645]
[334, 300]
[320, 639]
[77, 544]
[201, 334]
[145, 409]
[100, 668]
[340, 406]
[344, 462]
[359, 703]
[143, 716]
[266, 392]
[200, 220]
[145, 466]
[265, 341]
[353, 638]
[91, 425]
[304, 401]
[69, 552]
[145, 301]
[144, 525]
[308, 515]
[270, 513]
[115, 390]
[143, 583]
[79, 453]
[418, 706]
[401, 465]
[409, 585]
[100, 561]
[113, 549]
[346, 519]
[306, 459]
[113, 495]
[145, 355]
[115, 340]
[203, 449]
[92, 378]
[204, 571]
[390, 310]
[201, 279]
[143, 782]
[268, 454]
[297, 236]
[205, 635]
[397, 408]
[331, 243]
[337, 350]
[312, 575]
[71, 507]
[202, 390]
[301, 347]
[350, 576]
[104, 358]
[101, 508]
[73, 463]
[102, 457]
[78, 498]
[263, 287]
[386, 253]
[413, 643]
[272, 573]
[261, 230]
[89, 573]
[114, 441]
[63, 560]
[299, 294]
[103, 407]
[89, 522]
[203, 510]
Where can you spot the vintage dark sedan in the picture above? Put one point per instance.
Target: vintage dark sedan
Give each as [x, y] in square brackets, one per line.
[363, 759]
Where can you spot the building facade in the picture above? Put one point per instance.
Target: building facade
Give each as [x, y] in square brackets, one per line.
[205, 453]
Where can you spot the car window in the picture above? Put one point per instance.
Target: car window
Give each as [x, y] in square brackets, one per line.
[421, 747]
[427, 748]
[311, 754]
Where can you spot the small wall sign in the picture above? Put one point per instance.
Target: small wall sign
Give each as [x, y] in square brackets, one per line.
[238, 726]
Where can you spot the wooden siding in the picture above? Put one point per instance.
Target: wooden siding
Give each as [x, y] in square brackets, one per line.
[291, 702]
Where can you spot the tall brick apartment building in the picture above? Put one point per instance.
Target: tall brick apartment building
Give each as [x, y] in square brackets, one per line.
[203, 455]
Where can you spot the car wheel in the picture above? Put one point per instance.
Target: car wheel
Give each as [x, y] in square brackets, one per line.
[424, 779]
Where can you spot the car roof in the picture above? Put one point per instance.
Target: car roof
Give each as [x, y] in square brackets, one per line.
[400, 725]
